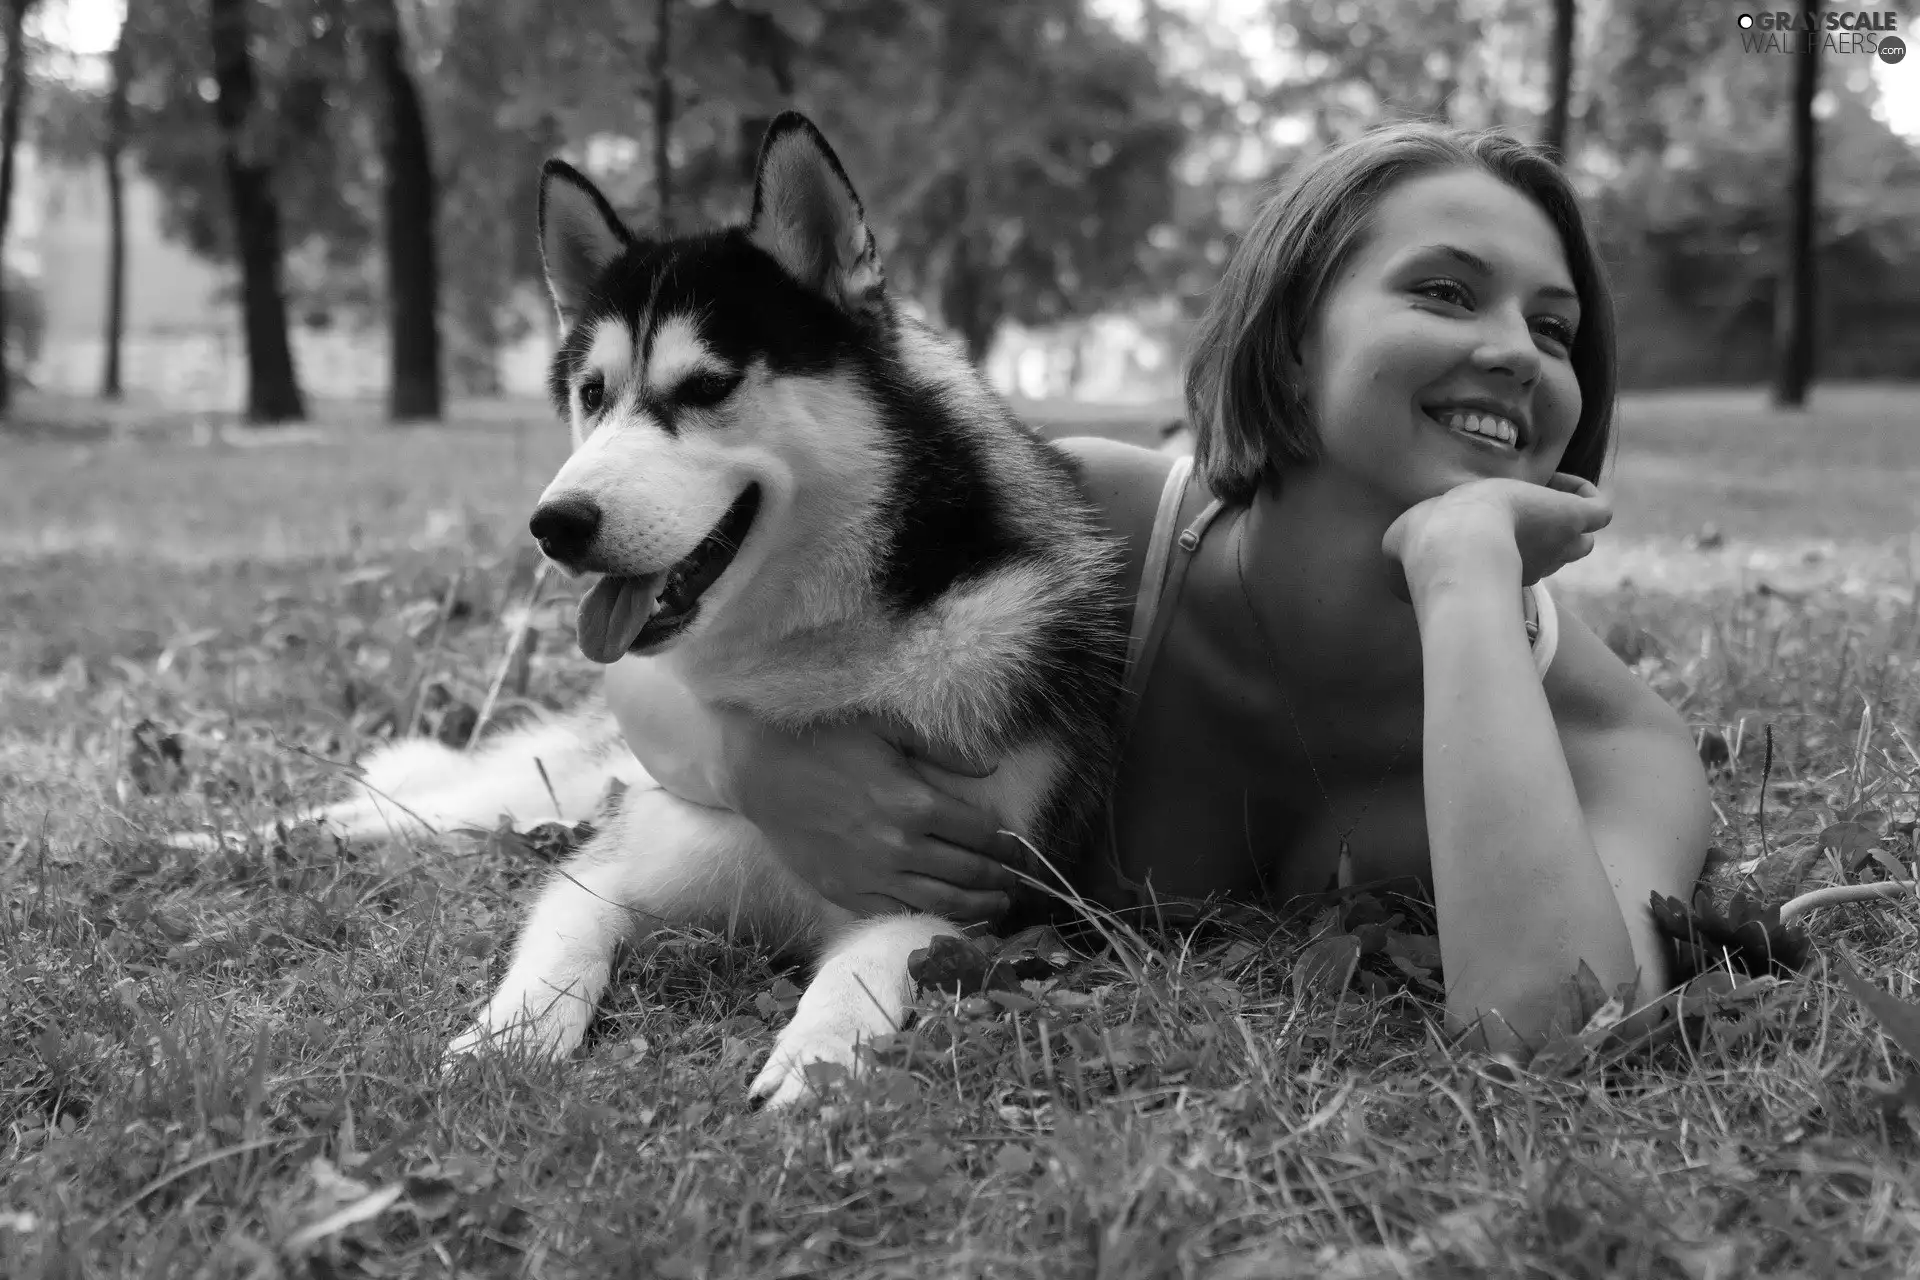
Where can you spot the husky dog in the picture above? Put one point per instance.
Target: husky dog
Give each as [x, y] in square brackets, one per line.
[808, 505]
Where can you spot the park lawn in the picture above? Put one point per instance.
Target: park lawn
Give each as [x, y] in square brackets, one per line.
[200, 1055]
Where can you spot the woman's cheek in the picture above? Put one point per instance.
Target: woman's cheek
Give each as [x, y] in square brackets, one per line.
[1565, 403]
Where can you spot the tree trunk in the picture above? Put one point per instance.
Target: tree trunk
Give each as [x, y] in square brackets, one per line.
[967, 301]
[273, 393]
[413, 278]
[1560, 75]
[15, 73]
[1793, 310]
[116, 142]
[662, 112]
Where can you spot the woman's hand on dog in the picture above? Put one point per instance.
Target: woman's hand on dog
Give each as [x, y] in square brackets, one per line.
[849, 811]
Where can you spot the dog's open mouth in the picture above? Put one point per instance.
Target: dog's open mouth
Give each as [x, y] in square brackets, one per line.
[622, 615]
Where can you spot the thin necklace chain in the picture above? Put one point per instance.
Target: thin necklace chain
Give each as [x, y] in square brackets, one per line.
[1344, 874]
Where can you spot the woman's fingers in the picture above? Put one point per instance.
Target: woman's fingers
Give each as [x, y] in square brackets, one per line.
[939, 860]
[959, 823]
[942, 899]
[922, 750]
[1568, 483]
[950, 761]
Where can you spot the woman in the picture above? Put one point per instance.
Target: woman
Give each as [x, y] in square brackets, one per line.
[1402, 394]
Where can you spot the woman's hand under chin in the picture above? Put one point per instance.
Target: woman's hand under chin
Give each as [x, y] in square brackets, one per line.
[1547, 526]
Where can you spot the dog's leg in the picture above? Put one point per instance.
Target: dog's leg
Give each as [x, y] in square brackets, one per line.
[556, 770]
[561, 961]
[861, 990]
[660, 860]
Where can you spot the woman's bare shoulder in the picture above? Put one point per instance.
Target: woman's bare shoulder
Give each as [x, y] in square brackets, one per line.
[1124, 480]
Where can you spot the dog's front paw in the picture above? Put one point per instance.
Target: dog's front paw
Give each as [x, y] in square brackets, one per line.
[783, 1081]
[550, 1030]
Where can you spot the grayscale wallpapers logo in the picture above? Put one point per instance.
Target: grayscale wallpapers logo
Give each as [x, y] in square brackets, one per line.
[1849, 31]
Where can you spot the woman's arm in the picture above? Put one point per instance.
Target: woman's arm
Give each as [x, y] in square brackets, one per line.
[1539, 862]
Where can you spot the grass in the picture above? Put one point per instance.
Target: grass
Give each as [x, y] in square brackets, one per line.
[201, 1056]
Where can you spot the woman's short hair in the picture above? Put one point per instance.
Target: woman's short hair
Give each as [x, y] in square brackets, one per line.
[1248, 411]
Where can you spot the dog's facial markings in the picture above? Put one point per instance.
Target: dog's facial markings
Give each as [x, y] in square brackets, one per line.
[706, 388]
[682, 371]
[610, 354]
[674, 350]
[604, 369]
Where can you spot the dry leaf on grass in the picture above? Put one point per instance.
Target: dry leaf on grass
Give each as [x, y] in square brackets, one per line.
[1745, 936]
[542, 842]
[1901, 1022]
[958, 967]
[156, 761]
[1592, 1030]
[1325, 967]
[331, 1203]
[970, 967]
[1854, 840]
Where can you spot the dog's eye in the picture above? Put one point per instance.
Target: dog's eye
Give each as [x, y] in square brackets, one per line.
[703, 390]
[593, 393]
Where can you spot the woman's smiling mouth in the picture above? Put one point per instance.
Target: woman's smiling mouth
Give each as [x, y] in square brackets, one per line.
[1491, 431]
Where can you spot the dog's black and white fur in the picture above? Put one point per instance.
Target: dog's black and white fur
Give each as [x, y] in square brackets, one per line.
[804, 503]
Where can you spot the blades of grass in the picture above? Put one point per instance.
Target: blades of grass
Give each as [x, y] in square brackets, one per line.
[1900, 1020]
[433, 652]
[515, 643]
[174, 1175]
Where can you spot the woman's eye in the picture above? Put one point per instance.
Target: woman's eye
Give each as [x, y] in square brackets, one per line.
[1560, 331]
[1453, 292]
[1445, 291]
[593, 394]
[705, 390]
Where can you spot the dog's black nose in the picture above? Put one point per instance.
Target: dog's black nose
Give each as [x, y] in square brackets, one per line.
[564, 528]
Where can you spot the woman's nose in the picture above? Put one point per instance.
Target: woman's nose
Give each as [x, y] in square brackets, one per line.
[1507, 344]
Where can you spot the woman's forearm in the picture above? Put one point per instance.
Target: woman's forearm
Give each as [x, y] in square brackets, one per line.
[670, 731]
[1522, 896]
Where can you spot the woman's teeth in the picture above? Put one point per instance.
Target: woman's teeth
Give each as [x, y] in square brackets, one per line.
[1479, 424]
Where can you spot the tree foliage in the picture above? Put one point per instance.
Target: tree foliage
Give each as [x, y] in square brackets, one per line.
[1694, 134]
[307, 120]
[1022, 160]
[1039, 150]
[1017, 155]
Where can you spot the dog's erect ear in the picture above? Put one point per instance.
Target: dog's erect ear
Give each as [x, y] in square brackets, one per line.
[579, 235]
[807, 217]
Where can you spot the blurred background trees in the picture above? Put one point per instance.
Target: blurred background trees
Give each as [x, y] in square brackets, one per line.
[1031, 165]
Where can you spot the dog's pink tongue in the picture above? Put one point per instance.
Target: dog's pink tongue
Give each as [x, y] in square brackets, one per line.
[612, 614]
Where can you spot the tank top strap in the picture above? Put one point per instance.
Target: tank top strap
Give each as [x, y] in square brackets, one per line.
[1153, 568]
[1168, 555]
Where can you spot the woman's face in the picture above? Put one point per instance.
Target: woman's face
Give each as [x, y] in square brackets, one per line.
[1440, 353]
